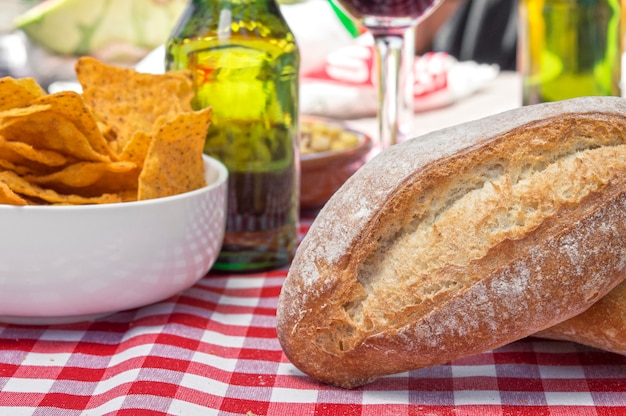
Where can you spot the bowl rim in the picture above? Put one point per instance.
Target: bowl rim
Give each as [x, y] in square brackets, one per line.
[210, 163]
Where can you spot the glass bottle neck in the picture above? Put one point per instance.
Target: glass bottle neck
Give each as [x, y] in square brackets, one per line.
[239, 8]
[224, 19]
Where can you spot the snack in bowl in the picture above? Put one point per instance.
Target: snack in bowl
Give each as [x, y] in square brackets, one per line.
[107, 205]
[330, 152]
[319, 135]
[71, 263]
[128, 136]
[461, 241]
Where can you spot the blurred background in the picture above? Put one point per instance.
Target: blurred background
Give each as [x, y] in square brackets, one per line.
[41, 38]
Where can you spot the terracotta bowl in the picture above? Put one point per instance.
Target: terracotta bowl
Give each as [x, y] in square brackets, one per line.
[323, 173]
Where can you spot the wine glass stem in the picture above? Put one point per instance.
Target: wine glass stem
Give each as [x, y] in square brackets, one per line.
[395, 92]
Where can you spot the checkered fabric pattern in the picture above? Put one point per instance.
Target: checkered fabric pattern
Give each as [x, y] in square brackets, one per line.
[212, 350]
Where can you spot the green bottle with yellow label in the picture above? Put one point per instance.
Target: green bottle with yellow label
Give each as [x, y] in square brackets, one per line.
[569, 48]
[245, 63]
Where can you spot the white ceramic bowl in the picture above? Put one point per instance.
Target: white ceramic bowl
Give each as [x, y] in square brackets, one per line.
[61, 264]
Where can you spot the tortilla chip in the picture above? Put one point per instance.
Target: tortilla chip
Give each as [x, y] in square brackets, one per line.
[130, 101]
[107, 132]
[136, 150]
[81, 174]
[12, 113]
[71, 106]
[47, 129]
[20, 186]
[16, 152]
[16, 93]
[7, 196]
[174, 162]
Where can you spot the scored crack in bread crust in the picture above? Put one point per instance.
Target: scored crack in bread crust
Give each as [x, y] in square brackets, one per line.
[460, 241]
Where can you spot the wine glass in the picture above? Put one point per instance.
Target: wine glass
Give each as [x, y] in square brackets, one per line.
[392, 24]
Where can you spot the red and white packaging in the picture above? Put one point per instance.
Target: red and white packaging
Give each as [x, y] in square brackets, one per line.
[343, 85]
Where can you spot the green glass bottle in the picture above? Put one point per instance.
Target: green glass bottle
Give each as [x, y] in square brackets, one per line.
[569, 48]
[245, 64]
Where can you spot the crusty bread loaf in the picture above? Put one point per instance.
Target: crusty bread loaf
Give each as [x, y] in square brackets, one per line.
[601, 326]
[461, 241]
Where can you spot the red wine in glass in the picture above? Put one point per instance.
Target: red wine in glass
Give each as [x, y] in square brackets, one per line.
[389, 8]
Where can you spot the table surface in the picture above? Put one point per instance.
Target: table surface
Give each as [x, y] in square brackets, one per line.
[212, 350]
[503, 93]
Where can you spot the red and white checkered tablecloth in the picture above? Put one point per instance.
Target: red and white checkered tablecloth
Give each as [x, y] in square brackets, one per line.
[212, 350]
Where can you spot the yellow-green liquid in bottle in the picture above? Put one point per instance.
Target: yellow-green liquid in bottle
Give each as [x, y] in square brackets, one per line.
[569, 48]
[244, 61]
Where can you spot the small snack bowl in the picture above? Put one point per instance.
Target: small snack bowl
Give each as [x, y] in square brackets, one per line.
[330, 152]
[64, 264]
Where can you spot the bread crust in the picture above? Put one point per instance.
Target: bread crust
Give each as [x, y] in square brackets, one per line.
[365, 298]
[601, 326]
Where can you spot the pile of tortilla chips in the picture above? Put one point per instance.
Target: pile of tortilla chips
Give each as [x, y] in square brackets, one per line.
[128, 136]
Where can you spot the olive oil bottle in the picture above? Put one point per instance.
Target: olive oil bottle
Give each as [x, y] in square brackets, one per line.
[569, 48]
[245, 63]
